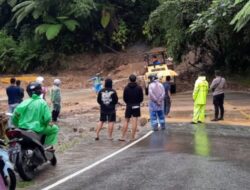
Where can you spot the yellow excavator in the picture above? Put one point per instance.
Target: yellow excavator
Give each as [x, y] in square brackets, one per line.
[158, 63]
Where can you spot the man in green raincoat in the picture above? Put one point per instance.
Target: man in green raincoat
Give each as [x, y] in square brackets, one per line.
[200, 98]
[34, 114]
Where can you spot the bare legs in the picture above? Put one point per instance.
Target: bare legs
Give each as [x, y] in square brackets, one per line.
[134, 128]
[100, 125]
[110, 130]
[125, 128]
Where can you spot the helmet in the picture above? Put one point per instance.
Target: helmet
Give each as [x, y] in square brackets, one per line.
[40, 80]
[34, 88]
[152, 77]
[57, 82]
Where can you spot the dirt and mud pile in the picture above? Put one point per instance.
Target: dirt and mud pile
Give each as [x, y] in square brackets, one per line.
[79, 68]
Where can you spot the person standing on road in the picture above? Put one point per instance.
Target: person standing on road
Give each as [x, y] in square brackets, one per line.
[200, 98]
[56, 99]
[40, 80]
[97, 83]
[107, 99]
[156, 102]
[133, 97]
[218, 86]
[13, 93]
[167, 100]
[18, 84]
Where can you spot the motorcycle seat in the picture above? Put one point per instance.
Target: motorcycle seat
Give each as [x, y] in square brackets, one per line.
[32, 134]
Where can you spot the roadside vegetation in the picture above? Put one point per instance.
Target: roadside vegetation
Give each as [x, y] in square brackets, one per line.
[36, 34]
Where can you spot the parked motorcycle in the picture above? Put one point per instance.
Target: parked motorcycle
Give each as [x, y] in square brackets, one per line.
[7, 174]
[27, 151]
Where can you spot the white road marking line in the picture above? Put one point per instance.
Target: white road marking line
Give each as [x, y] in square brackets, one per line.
[96, 163]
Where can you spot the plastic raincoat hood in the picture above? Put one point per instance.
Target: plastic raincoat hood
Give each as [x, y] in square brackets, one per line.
[33, 114]
[200, 90]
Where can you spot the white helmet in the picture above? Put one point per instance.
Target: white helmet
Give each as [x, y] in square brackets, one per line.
[40, 80]
[57, 82]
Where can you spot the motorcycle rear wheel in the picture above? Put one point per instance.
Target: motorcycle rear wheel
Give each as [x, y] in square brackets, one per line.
[25, 171]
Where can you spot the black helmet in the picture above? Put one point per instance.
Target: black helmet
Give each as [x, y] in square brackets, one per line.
[34, 88]
[152, 77]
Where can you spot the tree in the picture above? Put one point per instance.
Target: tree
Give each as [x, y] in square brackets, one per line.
[219, 37]
[169, 22]
[73, 26]
[242, 17]
[53, 28]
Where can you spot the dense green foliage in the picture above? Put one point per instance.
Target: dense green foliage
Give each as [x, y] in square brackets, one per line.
[35, 33]
[168, 24]
[58, 27]
[229, 44]
[219, 27]
[243, 16]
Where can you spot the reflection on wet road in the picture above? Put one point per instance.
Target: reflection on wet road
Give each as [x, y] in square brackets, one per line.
[185, 157]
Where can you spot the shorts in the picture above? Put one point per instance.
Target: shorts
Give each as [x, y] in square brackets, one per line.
[134, 111]
[110, 117]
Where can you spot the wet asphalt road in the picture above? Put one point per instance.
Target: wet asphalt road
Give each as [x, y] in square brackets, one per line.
[185, 157]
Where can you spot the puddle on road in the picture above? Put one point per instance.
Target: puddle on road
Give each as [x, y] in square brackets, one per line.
[203, 141]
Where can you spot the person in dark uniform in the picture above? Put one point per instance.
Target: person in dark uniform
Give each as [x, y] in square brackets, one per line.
[133, 97]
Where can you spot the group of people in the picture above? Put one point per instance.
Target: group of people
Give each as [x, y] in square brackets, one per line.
[15, 94]
[200, 93]
[159, 102]
[107, 98]
[34, 113]
[159, 105]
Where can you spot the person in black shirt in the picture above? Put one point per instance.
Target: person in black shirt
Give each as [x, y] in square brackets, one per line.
[21, 95]
[167, 100]
[133, 97]
[13, 93]
[107, 99]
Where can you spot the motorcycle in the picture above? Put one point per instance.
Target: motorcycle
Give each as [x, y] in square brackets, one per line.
[27, 152]
[7, 174]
